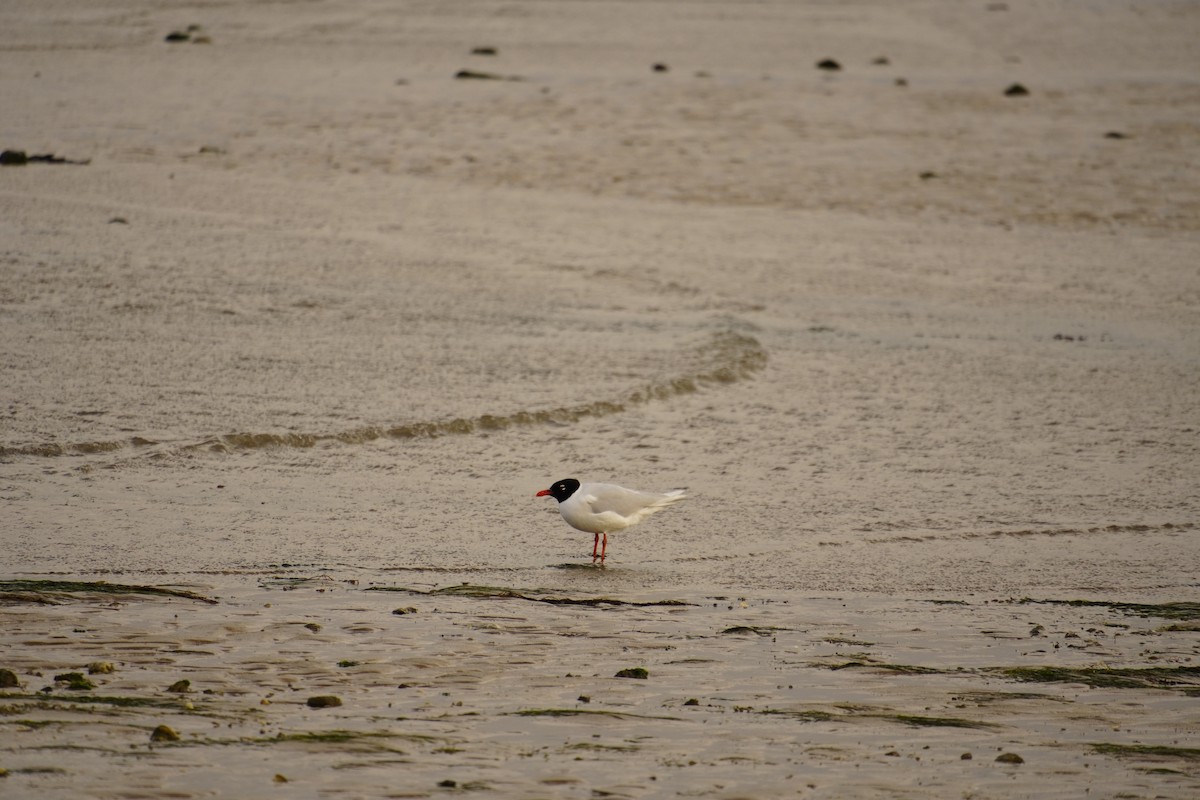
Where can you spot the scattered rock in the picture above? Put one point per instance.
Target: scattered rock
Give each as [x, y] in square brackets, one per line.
[881, 61]
[8, 679]
[1116, 135]
[901, 81]
[403, 611]
[1036, 630]
[692, 702]
[164, 733]
[177, 36]
[828, 64]
[583, 698]
[447, 784]
[324, 701]
[1016, 90]
[348, 663]
[927, 175]
[101, 668]
[966, 757]
[280, 779]
[118, 221]
[313, 626]
[181, 686]
[1009, 758]
[660, 67]
[893, 753]
[633, 672]
[483, 51]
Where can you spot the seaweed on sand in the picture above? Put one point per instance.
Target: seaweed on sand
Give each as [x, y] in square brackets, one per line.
[1105, 677]
[1180, 610]
[62, 701]
[48, 592]
[1152, 752]
[472, 590]
[579, 712]
[903, 669]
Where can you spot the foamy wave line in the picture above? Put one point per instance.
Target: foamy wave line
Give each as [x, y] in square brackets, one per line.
[728, 357]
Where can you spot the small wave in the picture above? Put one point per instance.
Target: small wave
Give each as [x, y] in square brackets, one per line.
[725, 358]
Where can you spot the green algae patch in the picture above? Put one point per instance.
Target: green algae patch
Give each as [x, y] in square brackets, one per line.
[1148, 752]
[534, 596]
[48, 592]
[918, 721]
[1179, 678]
[61, 701]
[584, 712]
[75, 681]
[1180, 610]
[902, 669]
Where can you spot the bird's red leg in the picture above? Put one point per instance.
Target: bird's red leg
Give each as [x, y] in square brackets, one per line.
[604, 547]
[595, 545]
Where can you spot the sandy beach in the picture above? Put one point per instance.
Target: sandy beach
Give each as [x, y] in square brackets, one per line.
[301, 303]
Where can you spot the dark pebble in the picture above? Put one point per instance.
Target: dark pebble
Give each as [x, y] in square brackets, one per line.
[324, 701]
[1116, 135]
[828, 64]
[164, 733]
[483, 51]
[633, 672]
[8, 679]
[966, 757]
[1009, 758]
[1016, 90]
[177, 36]
[447, 784]
[661, 67]
[180, 686]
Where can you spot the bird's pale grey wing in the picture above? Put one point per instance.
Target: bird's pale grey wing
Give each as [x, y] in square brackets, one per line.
[602, 497]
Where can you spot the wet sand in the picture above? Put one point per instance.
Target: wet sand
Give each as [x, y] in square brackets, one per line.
[316, 319]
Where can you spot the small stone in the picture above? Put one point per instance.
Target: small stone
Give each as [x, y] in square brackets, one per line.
[447, 784]
[177, 36]
[1116, 135]
[164, 733]
[660, 67]
[1009, 758]
[966, 757]
[881, 61]
[893, 753]
[8, 679]
[471, 74]
[1016, 90]
[483, 51]
[313, 626]
[402, 611]
[13, 158]
[101, 668]
[633, 672]
[692, 702]
[829, 65]
[280, 779]
[583, 698]
[324, 701]
[180, 687]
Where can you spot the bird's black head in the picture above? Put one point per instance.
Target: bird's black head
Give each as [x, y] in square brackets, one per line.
[561, 490]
